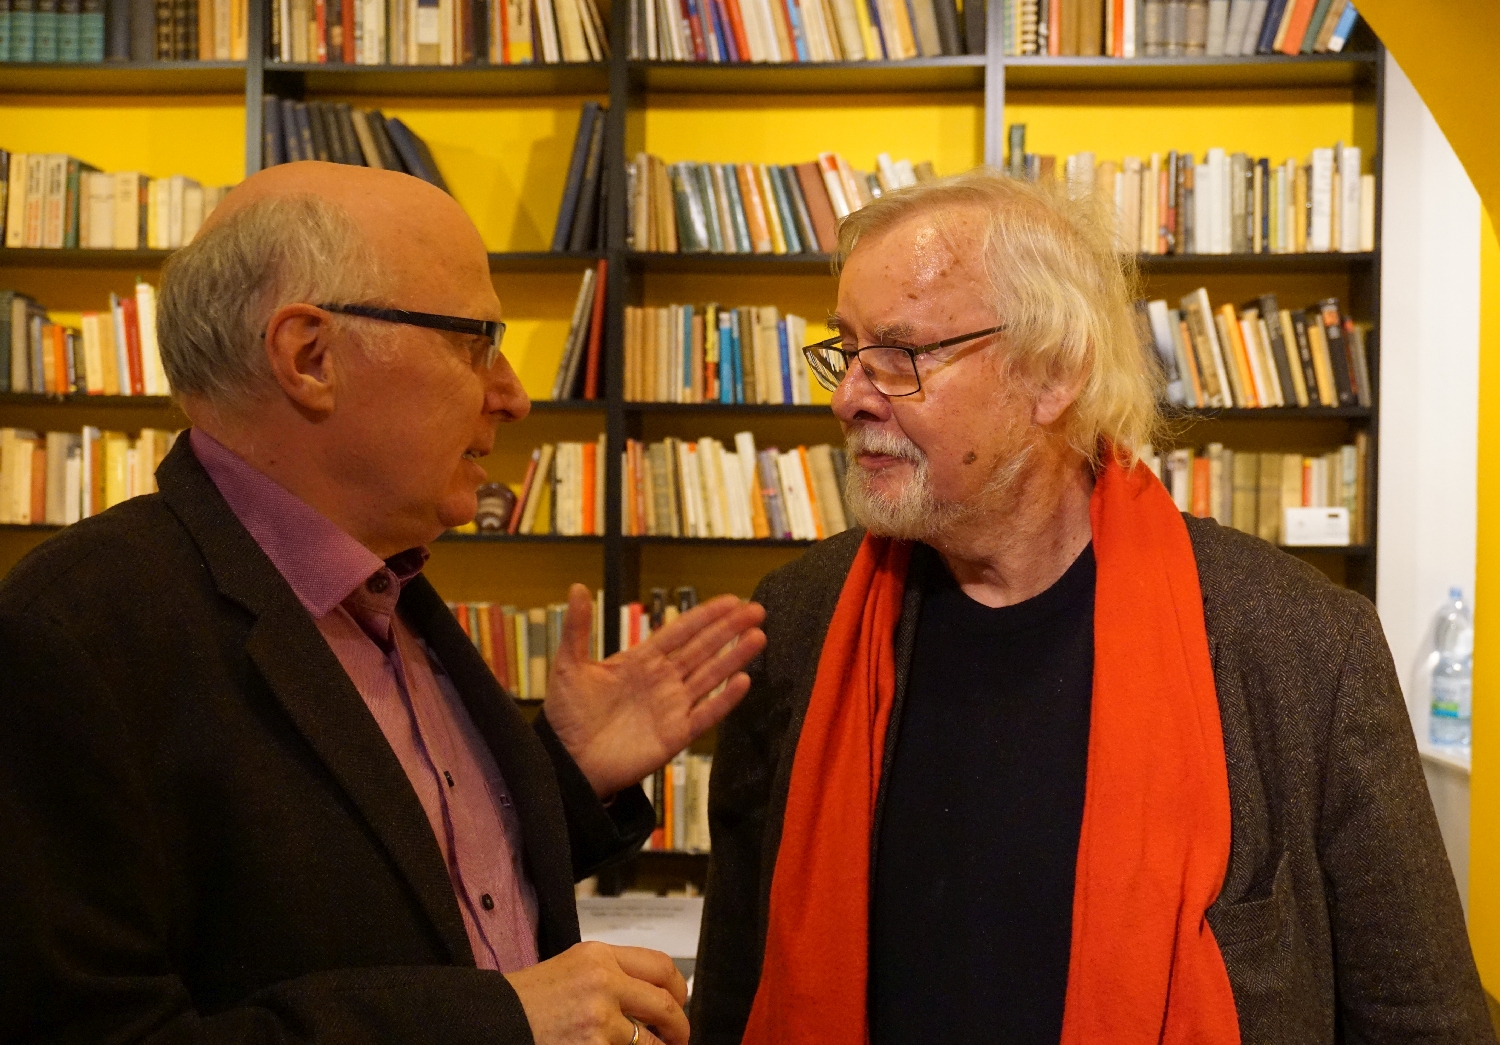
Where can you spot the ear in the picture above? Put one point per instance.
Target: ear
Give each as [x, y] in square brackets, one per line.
[1053, 400]
[300, 351]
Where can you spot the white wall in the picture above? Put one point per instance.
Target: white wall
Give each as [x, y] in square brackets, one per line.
[1429, 403]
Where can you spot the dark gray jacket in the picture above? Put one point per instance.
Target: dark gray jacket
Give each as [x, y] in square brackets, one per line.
[1338, 919]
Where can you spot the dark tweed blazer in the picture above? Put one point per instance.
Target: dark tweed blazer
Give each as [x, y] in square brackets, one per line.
[1338, 921]
[205, 838]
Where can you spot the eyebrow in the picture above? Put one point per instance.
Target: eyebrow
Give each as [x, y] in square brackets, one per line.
[898, 332]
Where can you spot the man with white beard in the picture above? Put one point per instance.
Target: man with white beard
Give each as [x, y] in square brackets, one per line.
[1030, 757]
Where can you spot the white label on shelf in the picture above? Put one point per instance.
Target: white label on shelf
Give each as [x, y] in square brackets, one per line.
[1305, 526]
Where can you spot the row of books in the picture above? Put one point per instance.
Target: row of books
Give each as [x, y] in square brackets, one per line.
[1152, 28]
[57, 478]
[1224, 203]
[679, 488]
[114, 352]
[708, 354]
[519, 645]
[437, 32]
[1249, 490]
[579, 370]
[139, 30]
[58, 201]
[339, 133]
[1257, 355]
[753, 208]
[562, 492]
[803, 30]
[581, 218]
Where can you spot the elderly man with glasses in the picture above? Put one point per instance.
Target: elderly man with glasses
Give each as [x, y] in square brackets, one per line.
[255, 783]
[1030, 757]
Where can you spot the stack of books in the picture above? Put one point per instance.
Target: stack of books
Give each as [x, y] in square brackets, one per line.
[1153, 28]
[57, 201]
[339, 133]
[708, 354]
[91, 30]
[519, 644]
[1224, 203]
[60, 477]
[563, 491]
[580, 219]
[578, 371]
[110, 353]
[1257, 355]
[1248, 490]
[437, 32]
[678, 488]
[801, 30]
[753, 208]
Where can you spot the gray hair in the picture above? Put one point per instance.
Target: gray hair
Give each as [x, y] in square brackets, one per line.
[218, 293]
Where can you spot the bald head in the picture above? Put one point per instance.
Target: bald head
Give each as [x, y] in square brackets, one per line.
[316, 233]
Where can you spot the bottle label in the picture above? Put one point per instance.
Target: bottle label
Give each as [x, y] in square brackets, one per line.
[1452, 698]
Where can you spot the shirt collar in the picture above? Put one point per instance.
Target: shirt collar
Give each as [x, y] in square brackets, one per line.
[322, 564]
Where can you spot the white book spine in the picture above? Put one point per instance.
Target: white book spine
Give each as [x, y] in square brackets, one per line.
[1350, 185]
[1320, 232]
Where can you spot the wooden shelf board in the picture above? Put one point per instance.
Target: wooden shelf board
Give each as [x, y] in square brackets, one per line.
[516, 538]
[1190, 73]
[40, 257]
[801, 264]
[544, 260]
[122, 77]
[722, 542]
[802, 409]
[952, 73]
[1269, 413]
[129, 402]
[821, 264]
[308, 79]
[565, 405]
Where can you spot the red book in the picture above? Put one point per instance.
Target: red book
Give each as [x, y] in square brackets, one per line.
[515, 514]
[60, 358]
[737, 27]
[1202, 487]
[590, 463]
[1296, 27]
[38, 482]
[346, 22]
[461, 614]
[596, 336]
[321, 13]
[133, 346]
[1117, 26]
[695, 30]
[1054, 28]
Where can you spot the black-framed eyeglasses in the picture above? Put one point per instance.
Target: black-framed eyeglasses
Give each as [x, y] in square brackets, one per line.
[892, 369]
[492, 330]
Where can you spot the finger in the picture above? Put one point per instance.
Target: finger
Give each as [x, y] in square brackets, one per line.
[710, 710]
[653, 967]
[653, 1007]
[578, 621]
[709, 640]
[725, 662]
[705, 615]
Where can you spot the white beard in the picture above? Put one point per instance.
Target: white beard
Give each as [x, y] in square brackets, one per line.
[914, 513]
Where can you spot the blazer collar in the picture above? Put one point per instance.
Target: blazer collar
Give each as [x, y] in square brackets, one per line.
[315, 692]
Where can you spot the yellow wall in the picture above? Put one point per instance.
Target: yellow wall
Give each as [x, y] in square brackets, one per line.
[1446, 48]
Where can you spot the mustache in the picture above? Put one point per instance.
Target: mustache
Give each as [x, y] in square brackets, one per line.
[878, 441]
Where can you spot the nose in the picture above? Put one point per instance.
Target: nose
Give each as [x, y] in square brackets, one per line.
[503, 393]
[856, 397]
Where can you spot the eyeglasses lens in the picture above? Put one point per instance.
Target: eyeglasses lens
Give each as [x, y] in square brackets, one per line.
[890, 370]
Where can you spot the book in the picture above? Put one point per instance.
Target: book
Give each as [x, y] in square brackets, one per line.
[573, 183]
[57, 478]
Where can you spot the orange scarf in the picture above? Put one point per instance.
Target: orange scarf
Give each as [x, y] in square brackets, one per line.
[1154, 846]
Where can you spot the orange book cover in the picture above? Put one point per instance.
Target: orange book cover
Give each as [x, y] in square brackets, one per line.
[1192, 362]
[1054, 28]
[1296, 26]
[1202, 487]
[737, 28]
[133, 346]
[638, 485]
[1307, 483]
[60, 358]
[812, 493]
[669, 805]
[486, 638]
[461, 614]
[1117, 26]
[38, 482]
[1241, 358]
[755, 210]
[590, 459]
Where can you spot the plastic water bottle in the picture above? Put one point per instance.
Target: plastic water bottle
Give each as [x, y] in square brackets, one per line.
[1452, 677]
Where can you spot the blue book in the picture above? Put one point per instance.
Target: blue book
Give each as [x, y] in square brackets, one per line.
[726, 35]
[1343, 29]
[786, 361]
[91, 31]
[741, 230]
[23, 30]
[783, 205]
[69, 17]
[726, 359]
[687, 354]
[738, 368]
[1269, 25]
[799, 37]
[45, 30]
[4, 30]
[34, 324]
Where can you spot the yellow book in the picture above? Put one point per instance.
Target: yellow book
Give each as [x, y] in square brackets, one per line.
[116, 468]
[874, 50]
[486, 640]
[1322, 365]
[773, 213]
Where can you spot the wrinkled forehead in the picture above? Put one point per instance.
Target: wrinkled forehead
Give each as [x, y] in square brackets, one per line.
[919, 258]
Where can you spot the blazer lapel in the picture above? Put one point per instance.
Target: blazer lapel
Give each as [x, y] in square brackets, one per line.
[520, 757]
[311, 686]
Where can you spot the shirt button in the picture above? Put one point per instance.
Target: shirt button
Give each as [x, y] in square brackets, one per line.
[487, 903]
[378, 583]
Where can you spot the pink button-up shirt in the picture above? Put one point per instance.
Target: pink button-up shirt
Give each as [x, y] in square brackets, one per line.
[351, 595]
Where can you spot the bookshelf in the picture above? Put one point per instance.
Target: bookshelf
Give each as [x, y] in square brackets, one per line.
[502, 136]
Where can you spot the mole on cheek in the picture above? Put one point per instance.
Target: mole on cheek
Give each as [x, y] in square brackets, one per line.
[970, 457]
